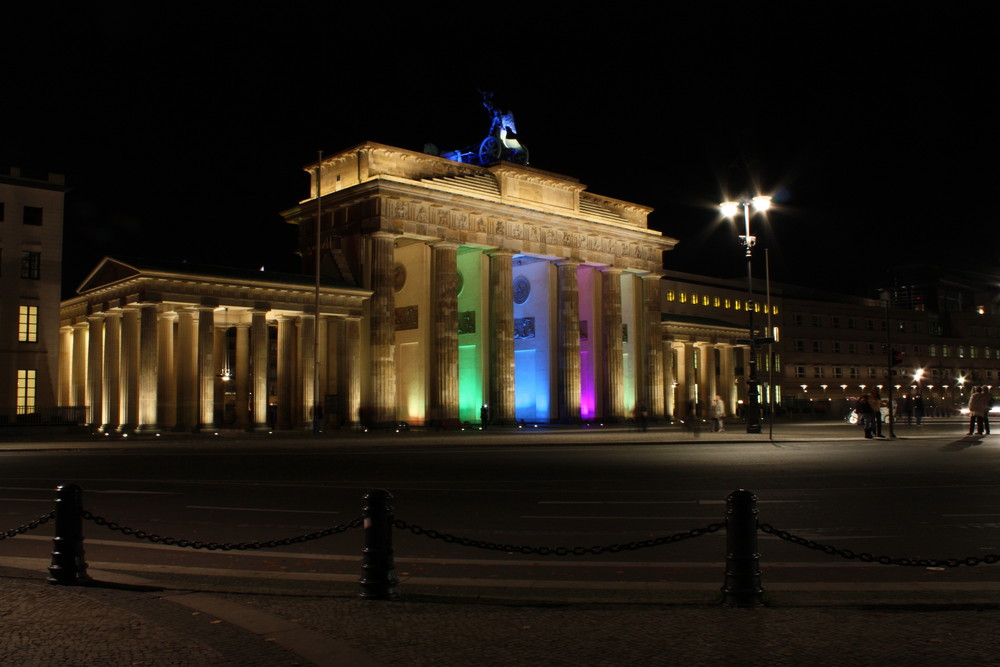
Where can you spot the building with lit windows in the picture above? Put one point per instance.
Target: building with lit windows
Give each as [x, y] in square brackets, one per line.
[31, 222]
[829, 348]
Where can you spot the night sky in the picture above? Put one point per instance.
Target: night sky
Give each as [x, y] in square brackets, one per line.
[182, 135]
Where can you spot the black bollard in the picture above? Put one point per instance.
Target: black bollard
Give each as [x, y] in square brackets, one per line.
[378, 573]
[68, 567]
[742, 587]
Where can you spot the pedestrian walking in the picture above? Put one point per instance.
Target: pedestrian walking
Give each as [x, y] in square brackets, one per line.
[866, 415]
[718, 414]
[978, 405]
[876, 403]
[918, 408]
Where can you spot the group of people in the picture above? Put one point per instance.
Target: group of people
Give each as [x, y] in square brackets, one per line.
[980, 402]
[871, 410]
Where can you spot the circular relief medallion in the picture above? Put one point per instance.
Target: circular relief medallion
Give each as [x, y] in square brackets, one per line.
[398, 276]
[522, 288]
[459, 283]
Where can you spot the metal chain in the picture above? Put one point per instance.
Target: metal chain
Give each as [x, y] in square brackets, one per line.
[881, 560]
[31, 525]
[558, 551]
[216, 546]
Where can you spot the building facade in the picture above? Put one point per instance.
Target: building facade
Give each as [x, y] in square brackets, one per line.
[31, 225]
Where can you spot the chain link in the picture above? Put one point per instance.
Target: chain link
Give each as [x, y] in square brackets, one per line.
[31, 525]
[217, 546]
[989, 559]
[557, 551]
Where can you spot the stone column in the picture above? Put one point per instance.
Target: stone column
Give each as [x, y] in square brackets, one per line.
[307, 354]
[568, 340]
[501, 381]
[95, 370]
[65, 395]
[611, 315]
[130, 370]
[653, 343]
[242, 376]
[285, 356]
[444, 308]
[688, 394]
[148, 370]
[669, 381]
[706, 378]
[258, 383]
[166, 381]
[350, 374]
[186, 363]
[223, 375]
[112, 372]
[727, 378]
[81, 344]
[383, 330]
[206, 368]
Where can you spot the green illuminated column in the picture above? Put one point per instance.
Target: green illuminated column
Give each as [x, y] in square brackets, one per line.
[501, 337]
[444, 308]
[611, 305]
[568, 344]
[653, 344]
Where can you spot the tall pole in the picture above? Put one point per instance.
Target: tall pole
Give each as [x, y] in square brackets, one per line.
[753, 396]
[316, 418]
[889, 372]
[770, 348]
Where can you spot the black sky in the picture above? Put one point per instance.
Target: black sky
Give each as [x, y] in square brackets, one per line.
[183, 134]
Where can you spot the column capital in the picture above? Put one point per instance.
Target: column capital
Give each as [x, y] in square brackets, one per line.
[444, 244]
[611, 270]
[500, 252]
[651, 276]
[383, 234]
[567, 261]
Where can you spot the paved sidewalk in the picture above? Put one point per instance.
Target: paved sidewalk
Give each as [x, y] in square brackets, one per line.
[122, 620]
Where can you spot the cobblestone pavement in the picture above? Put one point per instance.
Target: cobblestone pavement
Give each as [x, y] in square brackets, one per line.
[134, 624]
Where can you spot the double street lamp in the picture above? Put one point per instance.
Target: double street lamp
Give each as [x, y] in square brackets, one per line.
[731, 209]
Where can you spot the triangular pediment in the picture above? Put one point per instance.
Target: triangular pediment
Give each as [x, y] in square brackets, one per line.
[108, 272]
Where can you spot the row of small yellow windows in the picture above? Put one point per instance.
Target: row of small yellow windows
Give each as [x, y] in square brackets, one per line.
[694, 298]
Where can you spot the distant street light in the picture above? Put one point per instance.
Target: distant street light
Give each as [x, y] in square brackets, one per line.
[731, 209]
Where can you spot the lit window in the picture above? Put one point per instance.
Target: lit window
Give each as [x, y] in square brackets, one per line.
[694, 298]
[704, 300]
[684, 297]
[716, 301]
[961, 351]
[27, 324]
[728, 304]
[25, 391]
[932, 350]
[774, 310]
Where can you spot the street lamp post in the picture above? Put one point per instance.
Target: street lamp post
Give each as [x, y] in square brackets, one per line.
[730, 209]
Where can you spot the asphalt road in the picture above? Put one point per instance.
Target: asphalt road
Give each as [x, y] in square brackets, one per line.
[930, 493]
